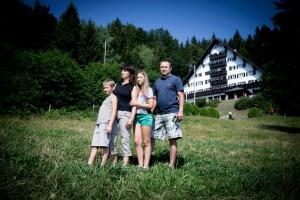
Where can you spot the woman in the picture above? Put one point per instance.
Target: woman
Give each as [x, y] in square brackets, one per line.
[125, 113]
[144, 119]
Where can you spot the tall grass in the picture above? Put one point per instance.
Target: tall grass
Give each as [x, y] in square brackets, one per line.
[45, 158]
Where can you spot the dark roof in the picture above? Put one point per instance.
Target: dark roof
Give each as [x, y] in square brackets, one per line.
[207, 51]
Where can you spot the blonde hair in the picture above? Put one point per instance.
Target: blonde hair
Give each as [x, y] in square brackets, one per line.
[110, 82]
[145, 86]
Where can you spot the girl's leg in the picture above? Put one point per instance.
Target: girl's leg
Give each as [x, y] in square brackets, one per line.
[105, 153]
[146, 132]
[138, 145]
[92, 155]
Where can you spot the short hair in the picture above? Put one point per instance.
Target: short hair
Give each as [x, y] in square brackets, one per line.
[166, 60]
[110, 82]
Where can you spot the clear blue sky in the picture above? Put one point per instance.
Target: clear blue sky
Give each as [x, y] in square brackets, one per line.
[183, 18]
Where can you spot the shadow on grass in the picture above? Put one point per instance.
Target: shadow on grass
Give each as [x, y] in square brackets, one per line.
[160, 157]
[164, 157]
[291, 130]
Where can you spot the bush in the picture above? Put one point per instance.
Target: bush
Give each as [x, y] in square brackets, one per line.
[242, 104]
[191, 109]
[209, 112]
[201, 103]
[254, 112]
[213, 103]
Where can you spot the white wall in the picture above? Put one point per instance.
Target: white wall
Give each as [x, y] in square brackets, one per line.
[237, 74]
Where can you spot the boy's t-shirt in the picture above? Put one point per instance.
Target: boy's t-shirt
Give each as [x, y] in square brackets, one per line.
[165, 89]
[105, 110]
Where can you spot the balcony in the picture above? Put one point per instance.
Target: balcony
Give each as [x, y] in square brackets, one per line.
[218, 82]
[217, 64]
[218, 73]
[222, 55]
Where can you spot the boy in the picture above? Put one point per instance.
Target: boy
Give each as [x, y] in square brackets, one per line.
[105, 124]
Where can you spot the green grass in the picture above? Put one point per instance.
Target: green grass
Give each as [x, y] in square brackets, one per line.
[45, 158]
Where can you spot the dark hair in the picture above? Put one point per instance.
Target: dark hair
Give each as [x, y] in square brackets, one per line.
[166, 60]
[131, 70]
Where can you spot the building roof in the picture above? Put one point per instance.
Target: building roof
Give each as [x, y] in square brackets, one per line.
[207, 51]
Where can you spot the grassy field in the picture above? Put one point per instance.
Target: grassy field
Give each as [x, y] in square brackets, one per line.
[45, 158]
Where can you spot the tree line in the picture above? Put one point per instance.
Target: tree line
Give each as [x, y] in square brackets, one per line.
[62, 62]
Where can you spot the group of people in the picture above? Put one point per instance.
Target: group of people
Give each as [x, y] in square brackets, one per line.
[127, 103]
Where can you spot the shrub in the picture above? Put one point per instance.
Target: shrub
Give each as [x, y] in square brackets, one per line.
[213, 103]
[191, 109]
[209, 112]
[242, 103]
[201, 102]
[254, 112]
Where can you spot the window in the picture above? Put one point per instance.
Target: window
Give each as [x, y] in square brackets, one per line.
[207, 73]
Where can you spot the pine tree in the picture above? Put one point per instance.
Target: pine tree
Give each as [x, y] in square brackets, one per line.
[68, 31]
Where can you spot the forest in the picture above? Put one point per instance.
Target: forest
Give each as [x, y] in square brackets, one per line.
[48, 62]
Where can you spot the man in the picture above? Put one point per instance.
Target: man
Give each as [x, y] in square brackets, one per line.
[168, 92]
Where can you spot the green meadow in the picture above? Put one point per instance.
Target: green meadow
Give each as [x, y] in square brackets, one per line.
[45, 157]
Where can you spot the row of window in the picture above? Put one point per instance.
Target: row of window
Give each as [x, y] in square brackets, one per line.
[231, 76]
[222, 60]
[237, 66]
[234, 76]
[198, 83]
[221, 86]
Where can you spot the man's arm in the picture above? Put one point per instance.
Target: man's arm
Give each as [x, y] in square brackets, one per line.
[181, 104]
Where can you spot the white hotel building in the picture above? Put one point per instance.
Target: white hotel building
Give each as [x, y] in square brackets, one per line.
[221, 73]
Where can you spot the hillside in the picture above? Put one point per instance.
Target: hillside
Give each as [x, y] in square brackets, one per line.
[228, 106]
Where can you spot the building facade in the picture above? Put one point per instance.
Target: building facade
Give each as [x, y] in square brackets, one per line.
[221, 73]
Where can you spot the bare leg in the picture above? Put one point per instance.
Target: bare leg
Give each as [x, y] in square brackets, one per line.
[105, 153]
[114, 159]
[92, 155]
[173, 152]
[125, 160]
[138, 145]
[146, 131]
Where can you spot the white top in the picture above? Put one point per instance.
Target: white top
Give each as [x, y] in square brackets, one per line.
[142, 99]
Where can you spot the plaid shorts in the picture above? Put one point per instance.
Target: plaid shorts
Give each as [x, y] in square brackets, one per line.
[166, 126]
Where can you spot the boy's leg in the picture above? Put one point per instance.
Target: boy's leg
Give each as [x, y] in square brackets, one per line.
[92, 155]
[173, 152]
[105, 153]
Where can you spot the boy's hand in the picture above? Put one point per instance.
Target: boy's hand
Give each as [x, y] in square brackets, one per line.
[108, 129]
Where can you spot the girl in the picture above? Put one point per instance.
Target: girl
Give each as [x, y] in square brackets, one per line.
[144, 119]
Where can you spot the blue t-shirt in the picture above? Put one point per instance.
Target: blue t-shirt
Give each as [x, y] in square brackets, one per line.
[165, 89]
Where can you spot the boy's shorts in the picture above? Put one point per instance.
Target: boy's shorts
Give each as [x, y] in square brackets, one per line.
[166, 126]
[144, 119]
[100, 137]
